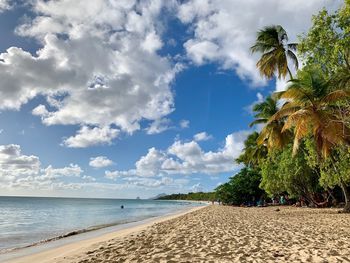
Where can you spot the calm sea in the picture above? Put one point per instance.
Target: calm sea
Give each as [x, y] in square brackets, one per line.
[25, 221]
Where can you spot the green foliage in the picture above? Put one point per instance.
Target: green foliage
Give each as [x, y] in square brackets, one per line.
[283, 173]
[200, 196]
[310, 109]
[252, 153]
[335, 170]
[315, 114]
[271, 135]
[241, 188]
[327, 42]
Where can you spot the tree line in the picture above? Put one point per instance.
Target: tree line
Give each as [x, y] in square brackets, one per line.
[199, 196]
[300, 147]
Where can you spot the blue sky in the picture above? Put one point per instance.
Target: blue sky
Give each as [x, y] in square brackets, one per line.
[124, 99]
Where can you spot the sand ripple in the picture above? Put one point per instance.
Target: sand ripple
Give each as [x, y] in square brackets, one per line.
[229, 234]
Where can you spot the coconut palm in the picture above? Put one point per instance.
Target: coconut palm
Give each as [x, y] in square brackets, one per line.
[271, 135]
[253, 153]
[315, 109]
[272, 43]
[311, 109]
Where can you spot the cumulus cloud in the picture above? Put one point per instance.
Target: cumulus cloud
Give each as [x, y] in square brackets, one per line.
[22, 172]
[54, 173]
[184, 124]
[18, 170]
[155, 183]
[100, 161]
[5, 5]
[99, 63]
[223, 30]
[197, 188]
[88, 136]
[13, 162]
[186, 158]
[98, 66]
[202, 136]
[159, 126]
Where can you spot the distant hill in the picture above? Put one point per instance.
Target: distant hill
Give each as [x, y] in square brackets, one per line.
[200, 196]
[158, 196]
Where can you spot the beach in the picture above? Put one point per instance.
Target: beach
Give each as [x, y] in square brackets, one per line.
[219, 234]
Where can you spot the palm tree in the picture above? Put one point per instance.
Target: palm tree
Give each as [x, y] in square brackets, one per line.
[312, 109]
[253, 153]
[271, 134]
[272, 43]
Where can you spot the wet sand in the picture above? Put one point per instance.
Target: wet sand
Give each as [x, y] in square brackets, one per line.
[226, 234]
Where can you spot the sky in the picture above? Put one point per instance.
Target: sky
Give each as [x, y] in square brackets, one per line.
[126, 99]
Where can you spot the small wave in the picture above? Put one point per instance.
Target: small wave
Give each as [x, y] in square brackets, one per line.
[68, 234]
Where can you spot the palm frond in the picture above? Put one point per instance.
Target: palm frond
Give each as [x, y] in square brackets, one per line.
[257, 121]
[337, 95]
[292, 46]
[294, 58]
[283, 113]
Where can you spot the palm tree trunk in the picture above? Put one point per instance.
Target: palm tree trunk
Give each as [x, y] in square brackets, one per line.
[290, 73]
[347, 198]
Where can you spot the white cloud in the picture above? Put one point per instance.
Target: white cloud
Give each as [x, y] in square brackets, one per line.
[202, 136]
[88, 136]
[98, 66]
[88, 178]
[19, 171]
[186, 158]
[100, 161]
[159, 126]
[13, 162]
[281, 84]
[197, 188]
[54, 173]
[184, 124]
[148, 165]
[223, 30]
[5, 5]
[156, 183]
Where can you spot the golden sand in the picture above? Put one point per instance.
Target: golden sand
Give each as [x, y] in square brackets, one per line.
[230, 234]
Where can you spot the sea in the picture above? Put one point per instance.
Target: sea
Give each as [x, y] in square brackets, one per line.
[30, 221]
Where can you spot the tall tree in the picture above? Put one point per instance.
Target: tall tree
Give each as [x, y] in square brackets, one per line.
[241, 188]
[283, 173]
[272, 42]
[271, 134]
[253, 153]
[327, 42]
[311, 108]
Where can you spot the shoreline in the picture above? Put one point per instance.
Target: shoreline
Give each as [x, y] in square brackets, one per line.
[217, 234]
[68, 246]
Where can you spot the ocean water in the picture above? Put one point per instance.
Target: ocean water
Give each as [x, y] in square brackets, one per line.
[25, 221]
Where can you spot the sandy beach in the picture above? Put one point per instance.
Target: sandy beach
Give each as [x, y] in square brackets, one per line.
[220, 234]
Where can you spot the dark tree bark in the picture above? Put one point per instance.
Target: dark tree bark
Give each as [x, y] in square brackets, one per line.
[347, 198]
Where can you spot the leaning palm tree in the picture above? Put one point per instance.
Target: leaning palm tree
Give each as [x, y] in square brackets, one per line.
[253, 153]
[272, 43]
[270, 135]
[314, 109]
[311, 109]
